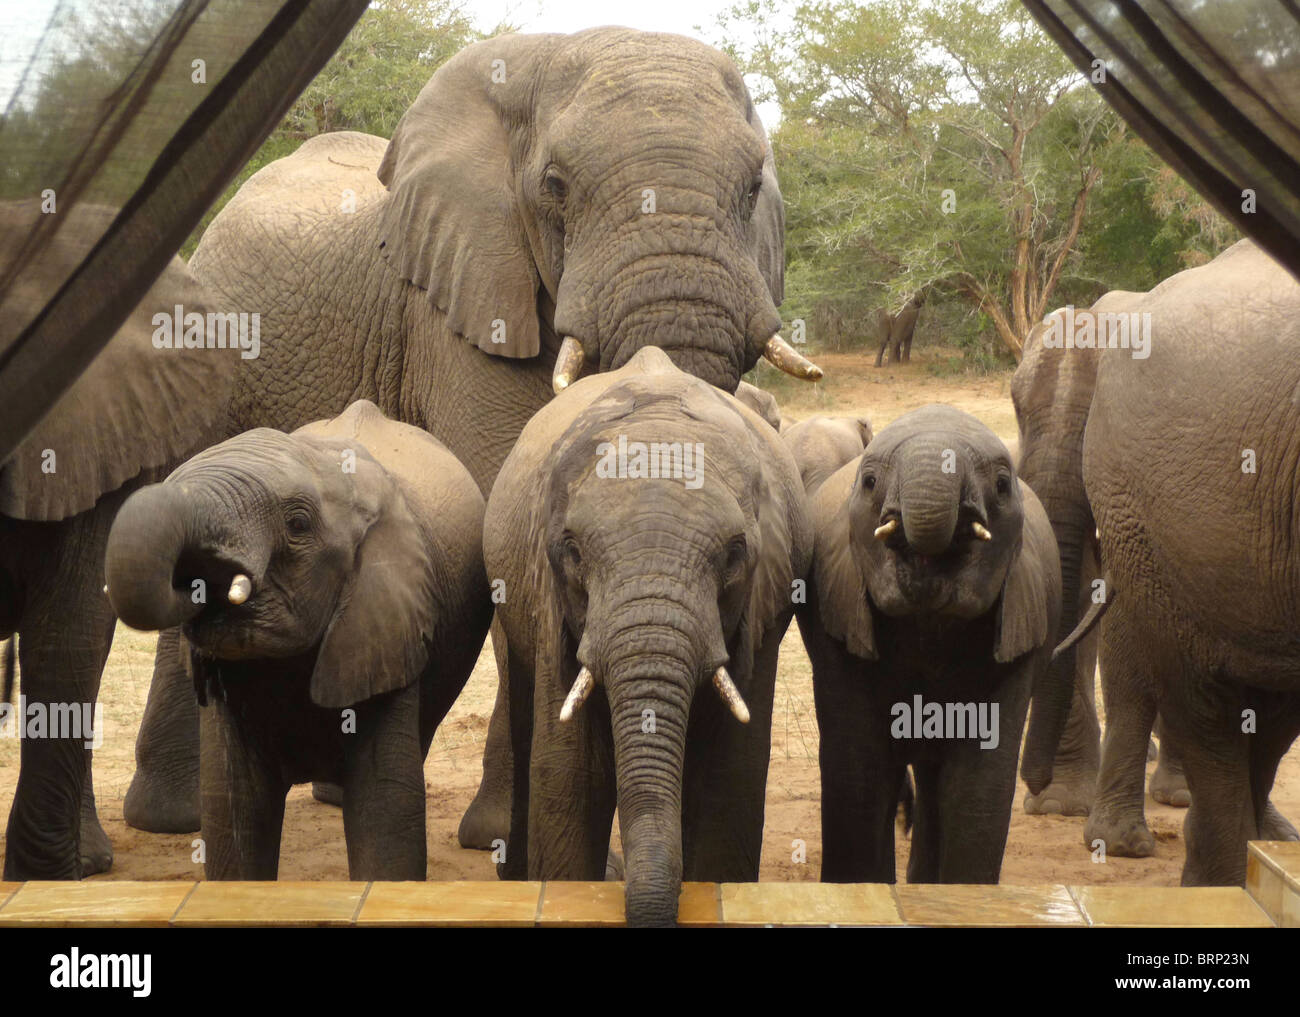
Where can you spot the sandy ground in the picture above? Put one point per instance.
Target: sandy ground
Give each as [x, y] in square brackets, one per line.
[1039, 849]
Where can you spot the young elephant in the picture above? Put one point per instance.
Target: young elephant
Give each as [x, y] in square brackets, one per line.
[330, 585]
[822, 444]
[649, 529]
[934, 594]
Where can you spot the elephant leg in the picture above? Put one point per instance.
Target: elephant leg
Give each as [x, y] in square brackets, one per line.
[723, 796]
[571, 788]
[1169, 784]
[327, 793]
[1278, 726]
[923, 858]
[62, 651]
[977, 789]
[859, 779]
[383, 790]
[1074, 770]
[1118, 816]
[164, 792]
[520, 702]
[488, 817]
[880, 353]
[96, 849]
[1203, 723]
[241, 792]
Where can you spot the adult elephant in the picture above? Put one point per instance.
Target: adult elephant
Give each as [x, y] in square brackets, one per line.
[650, 532]
[138, 409]
[1203, 615]
[896, 331]
[553, 204]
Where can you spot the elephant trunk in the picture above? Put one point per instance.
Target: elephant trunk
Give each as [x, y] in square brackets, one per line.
[930, 503]
[650, 680]
[148, 537]
[1072, 525]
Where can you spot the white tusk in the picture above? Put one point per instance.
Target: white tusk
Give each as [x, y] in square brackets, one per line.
[241, 587]
[887, 530]
[106, 588]
[979, 531]
[730, 695]
[782, 355]
[568, 365]
[582, 686]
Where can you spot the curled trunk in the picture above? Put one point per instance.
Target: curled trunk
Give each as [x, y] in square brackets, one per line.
[147, 540]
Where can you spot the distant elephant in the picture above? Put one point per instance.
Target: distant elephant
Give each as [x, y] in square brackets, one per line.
[549, 204]
[330, 586]
[660, 598]
[822, 444]
[933, 600]
[134, 412]
[1190, 471]
[896, 331]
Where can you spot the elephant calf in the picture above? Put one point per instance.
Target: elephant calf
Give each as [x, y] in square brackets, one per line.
[330, 586]
[934, 593]
[650, 530]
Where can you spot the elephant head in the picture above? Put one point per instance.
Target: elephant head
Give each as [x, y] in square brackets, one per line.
[613, 185]
[1052, 391]
[273, 545]
[933, 525]
[822, 444]
[656, 588]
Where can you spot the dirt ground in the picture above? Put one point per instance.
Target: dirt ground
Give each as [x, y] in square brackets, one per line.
[1039, 849]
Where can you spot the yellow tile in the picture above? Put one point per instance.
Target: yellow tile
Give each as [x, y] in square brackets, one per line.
[218, 904]
[1265, 884]
[1282, 856]
[1145, 906]
[1004, 906]
[586, 904]
[698, 906]
[1290, 917]
[809, 904]
[493, 902]
[95, 903]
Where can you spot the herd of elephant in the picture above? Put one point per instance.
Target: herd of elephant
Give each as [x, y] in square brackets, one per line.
[499, 388]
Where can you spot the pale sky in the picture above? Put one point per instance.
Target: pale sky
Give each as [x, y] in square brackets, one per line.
[680, 16]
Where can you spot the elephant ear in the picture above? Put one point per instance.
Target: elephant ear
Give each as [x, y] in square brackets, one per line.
[766, 230]
[135, 408]
[841, 593]
[1031, 593]
[378, 639]
[785, 535]
[452, 223]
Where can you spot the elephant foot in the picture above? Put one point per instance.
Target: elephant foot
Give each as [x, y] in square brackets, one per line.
[327, 794]
[1275, 826]
[1070, 794]
[613, 868]
[1169, 785]
[1125, 836]
[96, 853]
[157, 806]
[484, 822]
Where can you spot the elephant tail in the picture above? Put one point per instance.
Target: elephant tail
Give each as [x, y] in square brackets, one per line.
[1087, 622]
[11, 654]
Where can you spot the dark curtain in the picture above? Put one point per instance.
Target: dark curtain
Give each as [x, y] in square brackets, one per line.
[1213, 86]
[122, 123]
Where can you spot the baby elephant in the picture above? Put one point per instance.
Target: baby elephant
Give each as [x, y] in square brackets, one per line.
[934, 594]
[651, 534]
[822, 444]
[330, 585]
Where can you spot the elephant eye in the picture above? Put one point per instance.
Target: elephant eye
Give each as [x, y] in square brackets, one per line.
[298, 524]
[737, 554]
[869, 481]
[1004, 484]
[555, 184]
[754, 190]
